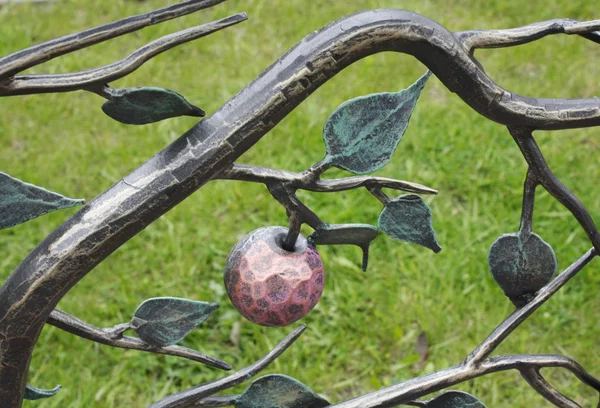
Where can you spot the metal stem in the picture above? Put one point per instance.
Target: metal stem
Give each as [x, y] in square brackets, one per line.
[35, 84]
[73, 325]
[192, 396]
[545, 177]
[528, 203]
[518, 316]
[32, 56]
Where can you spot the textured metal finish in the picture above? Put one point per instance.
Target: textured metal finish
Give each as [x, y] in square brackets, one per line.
[362, 134]
[138, 106]
[270, 285]
[279, 391]
[191, 397]
[209, 149]
[20, 201]
[165, 321]
[94, 79]
[522, 263]
[27, 58]
[408, 218]
[73, 325]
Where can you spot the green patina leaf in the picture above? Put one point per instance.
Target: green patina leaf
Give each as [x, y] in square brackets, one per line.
[20, 201]
[408, 218]
[521, 263]
[165, 321]
[455, 399]
[139, 106]
[362, 133]
[32, 393]
[279, 391]
[360, 235]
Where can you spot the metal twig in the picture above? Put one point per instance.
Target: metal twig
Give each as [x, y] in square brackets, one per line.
[544, 176]
[35, 84]
[32, 56]
[528, 202]
[300, 181]
[73, 325]
[539, 383]
[518, 316]
[192, 396]
[474, 39]
[418, 387]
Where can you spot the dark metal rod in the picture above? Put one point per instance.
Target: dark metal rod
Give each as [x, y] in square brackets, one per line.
[545, 177]
[29, 57]
[528, 203]
[220, 401]
[418, 387]
[243, 172]
[518, 316]
[474, 39]
[33, 84]
[73, 325]
[192, 396]
[539, 383]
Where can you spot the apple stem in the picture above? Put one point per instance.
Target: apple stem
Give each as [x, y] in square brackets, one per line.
[289, 243]
[531, 182]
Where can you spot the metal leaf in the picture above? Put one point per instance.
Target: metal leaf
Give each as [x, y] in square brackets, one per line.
[20, 201]
[362, 133]
[408, 218]
[455, 399]
[521, 263]
[165, 321]
[32, 393]
[139, 106]
[360, 235]
[279, 391]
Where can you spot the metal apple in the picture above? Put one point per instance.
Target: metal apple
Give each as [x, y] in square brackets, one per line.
[269, 285]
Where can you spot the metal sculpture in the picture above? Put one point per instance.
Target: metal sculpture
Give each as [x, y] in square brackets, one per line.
[360, 136]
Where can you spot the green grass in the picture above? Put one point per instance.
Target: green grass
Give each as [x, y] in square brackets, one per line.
[362, 335]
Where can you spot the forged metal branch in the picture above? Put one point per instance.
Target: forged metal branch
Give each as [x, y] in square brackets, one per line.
[73, 325]
[539, 383]
[34, 84]
[302, 182]
[528, 202]
[518, 316]
[220, 401]
[544, 176]
[418, 387]
[38, 283]
[29, 57]
[474, 39]
[190, 397]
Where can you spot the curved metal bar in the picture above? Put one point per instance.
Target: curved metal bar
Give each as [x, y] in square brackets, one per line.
[511, 37]
[544, 176]
[30, 294]
[242, 172]
[32, 56]
[191, 397]
[73, 325]
[539, 383]
[518, 316]
[417, 387]
[35, 84]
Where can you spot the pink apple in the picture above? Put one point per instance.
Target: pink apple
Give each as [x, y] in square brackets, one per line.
[269, 285]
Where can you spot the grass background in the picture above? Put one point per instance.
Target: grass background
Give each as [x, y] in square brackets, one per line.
[362, 335]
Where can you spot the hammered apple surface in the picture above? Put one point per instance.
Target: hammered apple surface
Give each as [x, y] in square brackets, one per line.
[269, 285]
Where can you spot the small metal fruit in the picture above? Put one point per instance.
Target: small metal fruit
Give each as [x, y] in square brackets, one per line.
[521, 263]
[269, 285]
